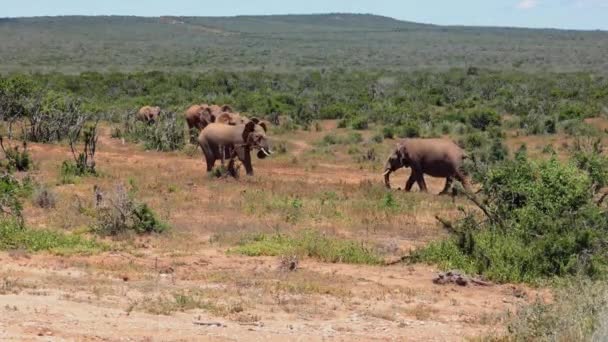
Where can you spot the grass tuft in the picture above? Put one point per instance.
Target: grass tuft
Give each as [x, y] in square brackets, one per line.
[12, 236]
[310, 244]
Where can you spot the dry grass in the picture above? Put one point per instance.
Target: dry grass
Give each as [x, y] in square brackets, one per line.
[188, 270]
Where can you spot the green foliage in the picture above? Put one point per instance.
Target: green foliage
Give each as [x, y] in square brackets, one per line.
[288, 42]
[310, 244]
[483, 119]
[333, 139]
[14, 236]
[71, 171]
[119, 213]
[166, 134]
[591, 160]
[542, 222]
[389, 202]
[11, 190]
[409, 130]
[16, 158]
[388, 132]
[359, 123]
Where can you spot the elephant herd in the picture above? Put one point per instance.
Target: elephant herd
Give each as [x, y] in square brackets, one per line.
[225, 134]
[222, 134]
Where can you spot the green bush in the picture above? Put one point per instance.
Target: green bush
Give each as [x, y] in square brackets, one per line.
[541, 222]
[409, 130]
[388, 132]
[359, 123]
[166, 134]
[16, 158]
[482, 119]
[10, 192]
[119, 213]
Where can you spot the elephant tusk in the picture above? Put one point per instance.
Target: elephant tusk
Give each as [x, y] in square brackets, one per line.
[386, 172]
[265, 152]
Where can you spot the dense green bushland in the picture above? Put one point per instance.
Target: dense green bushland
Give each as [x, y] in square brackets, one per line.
[286, 43]
[541, 219]
[410, 103]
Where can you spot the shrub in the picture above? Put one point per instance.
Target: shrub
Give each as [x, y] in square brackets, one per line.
[409, 130]
[45, 198]
[541, 222]
[359, 123]
[51, 118]
[166, 134]
[589, 157]
[84, 162]
[388, 132]
[482, 119]
[377, 138]
[118, 214]
[16, 158]
[10, 204]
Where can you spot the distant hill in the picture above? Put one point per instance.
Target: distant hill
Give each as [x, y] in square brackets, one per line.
[284, 43]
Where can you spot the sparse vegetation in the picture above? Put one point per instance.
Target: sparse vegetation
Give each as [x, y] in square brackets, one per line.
[118, 213]
[14, 236]
[309, 244]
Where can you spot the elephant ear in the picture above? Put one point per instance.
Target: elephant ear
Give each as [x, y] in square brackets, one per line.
[403, 155]
[263, 125]
[249, 128]
[223, 118]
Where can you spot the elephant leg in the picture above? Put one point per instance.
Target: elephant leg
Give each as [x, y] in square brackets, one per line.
[448, 185]
[421, 182]
[209, 158]
[462, 178]
[244, 154]
[222, 155]
[410, 182]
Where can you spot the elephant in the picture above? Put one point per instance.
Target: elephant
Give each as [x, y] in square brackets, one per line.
[217, 110]
[199, 116]
[232, 118]
[238, 139]
[434, 157]
[148, 114]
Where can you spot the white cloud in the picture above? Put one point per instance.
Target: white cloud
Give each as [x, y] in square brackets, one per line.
[527, 4]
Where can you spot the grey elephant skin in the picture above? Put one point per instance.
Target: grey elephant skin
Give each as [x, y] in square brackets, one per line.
[433, 157]
[241, 139]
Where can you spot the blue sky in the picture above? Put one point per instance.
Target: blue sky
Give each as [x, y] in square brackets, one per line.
[573, 14]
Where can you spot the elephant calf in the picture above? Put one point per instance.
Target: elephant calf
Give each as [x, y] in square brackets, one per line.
[434, 157]
[148, 114]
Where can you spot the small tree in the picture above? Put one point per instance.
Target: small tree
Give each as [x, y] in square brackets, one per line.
[87, 133]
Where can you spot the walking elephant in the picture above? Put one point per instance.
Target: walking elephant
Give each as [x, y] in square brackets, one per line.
[434, 157]
[148, 114]
[240, 140]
